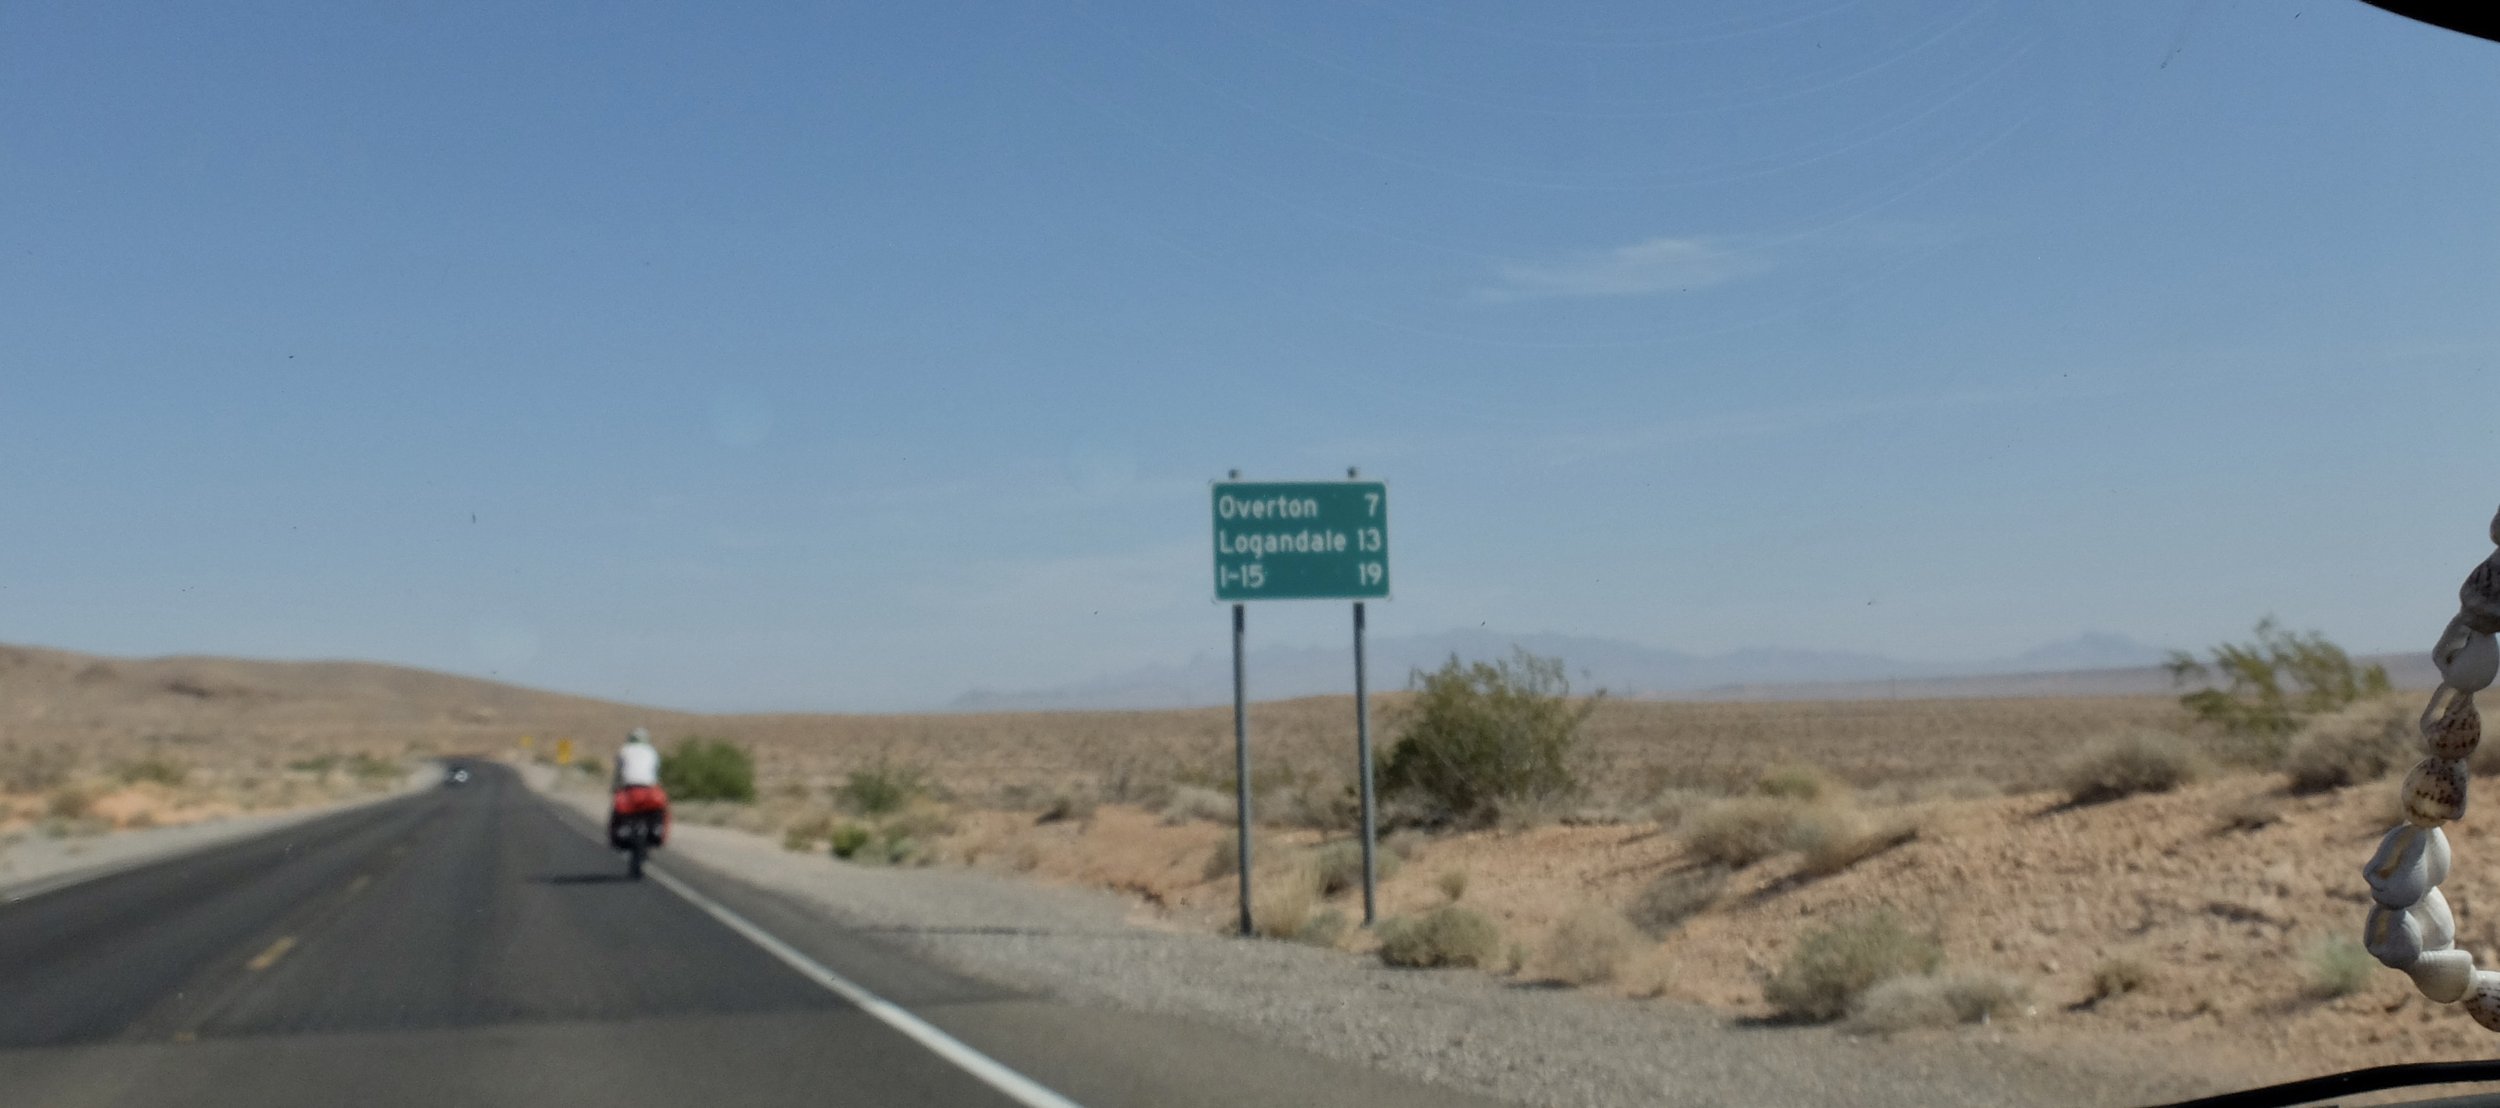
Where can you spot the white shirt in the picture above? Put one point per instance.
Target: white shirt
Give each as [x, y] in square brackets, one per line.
[638, 764]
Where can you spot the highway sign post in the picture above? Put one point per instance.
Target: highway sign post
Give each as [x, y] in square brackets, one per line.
[1301, 540]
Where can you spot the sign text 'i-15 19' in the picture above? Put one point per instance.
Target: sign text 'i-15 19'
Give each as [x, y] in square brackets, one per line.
[1301, 540]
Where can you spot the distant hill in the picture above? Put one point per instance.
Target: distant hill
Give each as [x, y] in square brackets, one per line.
[1622, 668]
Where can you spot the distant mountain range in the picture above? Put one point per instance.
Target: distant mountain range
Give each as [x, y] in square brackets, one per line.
[1621, 668]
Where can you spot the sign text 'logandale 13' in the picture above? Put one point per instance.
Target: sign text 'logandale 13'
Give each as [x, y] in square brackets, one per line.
[1301, 540]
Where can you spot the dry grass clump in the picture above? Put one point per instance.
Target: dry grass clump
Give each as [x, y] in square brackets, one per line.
[1937, 1000]
[2338, 965]
[1452, 883]
[1590, 945]
[1445, 936]
[1671, 806]
[1338, 866]
[2251, 812]
[2120, 976]
[1797, 781]
[1283, 905]
[1833, 966]
[1739, 831]
[2137, 762]
[1194, 804]
[1833, 838]
[2359, 743]
[1673, 897]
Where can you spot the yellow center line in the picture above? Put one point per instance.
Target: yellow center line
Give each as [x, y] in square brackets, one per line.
[269, 957]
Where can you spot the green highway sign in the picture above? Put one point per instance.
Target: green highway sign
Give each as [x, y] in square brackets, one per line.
[1301, 540]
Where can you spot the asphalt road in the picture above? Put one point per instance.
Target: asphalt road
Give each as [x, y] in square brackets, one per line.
[475, 946]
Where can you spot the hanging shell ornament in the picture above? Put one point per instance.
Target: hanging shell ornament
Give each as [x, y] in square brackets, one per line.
[2410, 927]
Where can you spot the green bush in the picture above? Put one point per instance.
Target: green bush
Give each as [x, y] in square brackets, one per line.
[2247, 693]
[849, 839]
[1482, 736]
[2140, 762]
[708, 769]
[882, 789]
[1445, 936]
[1833, 966]
[1739, 831]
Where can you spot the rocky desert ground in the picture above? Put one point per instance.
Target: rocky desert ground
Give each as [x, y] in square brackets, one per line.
[2211, 918]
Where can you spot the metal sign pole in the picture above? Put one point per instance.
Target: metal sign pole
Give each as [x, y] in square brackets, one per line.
[1363, 755]
[1241, 770]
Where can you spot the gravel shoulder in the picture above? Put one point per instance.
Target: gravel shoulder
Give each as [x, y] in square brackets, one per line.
[1467, 1031]
[33, 864]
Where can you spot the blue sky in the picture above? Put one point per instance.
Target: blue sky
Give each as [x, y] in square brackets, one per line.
[849, 357]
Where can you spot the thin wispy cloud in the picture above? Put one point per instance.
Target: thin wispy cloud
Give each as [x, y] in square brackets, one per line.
[1645, 268]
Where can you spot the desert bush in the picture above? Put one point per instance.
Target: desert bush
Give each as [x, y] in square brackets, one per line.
[160, 771]
[1739, 831]
[1833, 838]
[1452, 883]
[1192, 803]
[1590, 945]
[1796, 781]
[1283, 904]
[370, 768]
[1066, 806]
[1833, 966]
[2251, 812]
[1480, 737]
[849, 839]
[2251, 698]
[882, 789]
[68, 802]
[1326, 927]
[317, 764]
[1937, 1000]
[2338, 966]
[708, 769]
[803, 833]
[2119, 976]
[2358, 743]
[2137, 762]
[1673, 897]
[1224, 858]
[1445, 936]
[1671, 806]
[35, 769]
[1338, 866]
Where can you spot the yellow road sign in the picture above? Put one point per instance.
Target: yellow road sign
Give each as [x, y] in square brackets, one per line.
[564, 752]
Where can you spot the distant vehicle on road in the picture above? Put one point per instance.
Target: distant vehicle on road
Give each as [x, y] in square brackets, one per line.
[456, 775]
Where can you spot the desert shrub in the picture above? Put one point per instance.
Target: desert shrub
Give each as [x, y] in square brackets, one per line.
[1590, 945]
[35, 769]
[317, 764]
[1452, 883]
[1671, 806]
[1325, 928]
[802, 834]
[1937, 1000]
[708, 769]
[2251, 812]
[1193, 803]
[1224, 858]
[2119, 976]
[849, 839]
[2138, 762]
[1833, 838]
[2251, 697]
[1339, 866]
[1798, 782]
[1739, 831]
[1673, 897]
[371, 768]
[1480, 737]
[2358, 743]
[1282, 905]
[1445, 936]
[2338, 966]
[1066, 806]
[68, 802]
[1833, 966]
[882, 789]
[160, 771]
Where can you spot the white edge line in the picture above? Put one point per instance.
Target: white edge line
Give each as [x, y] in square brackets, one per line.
[1024, 1090]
